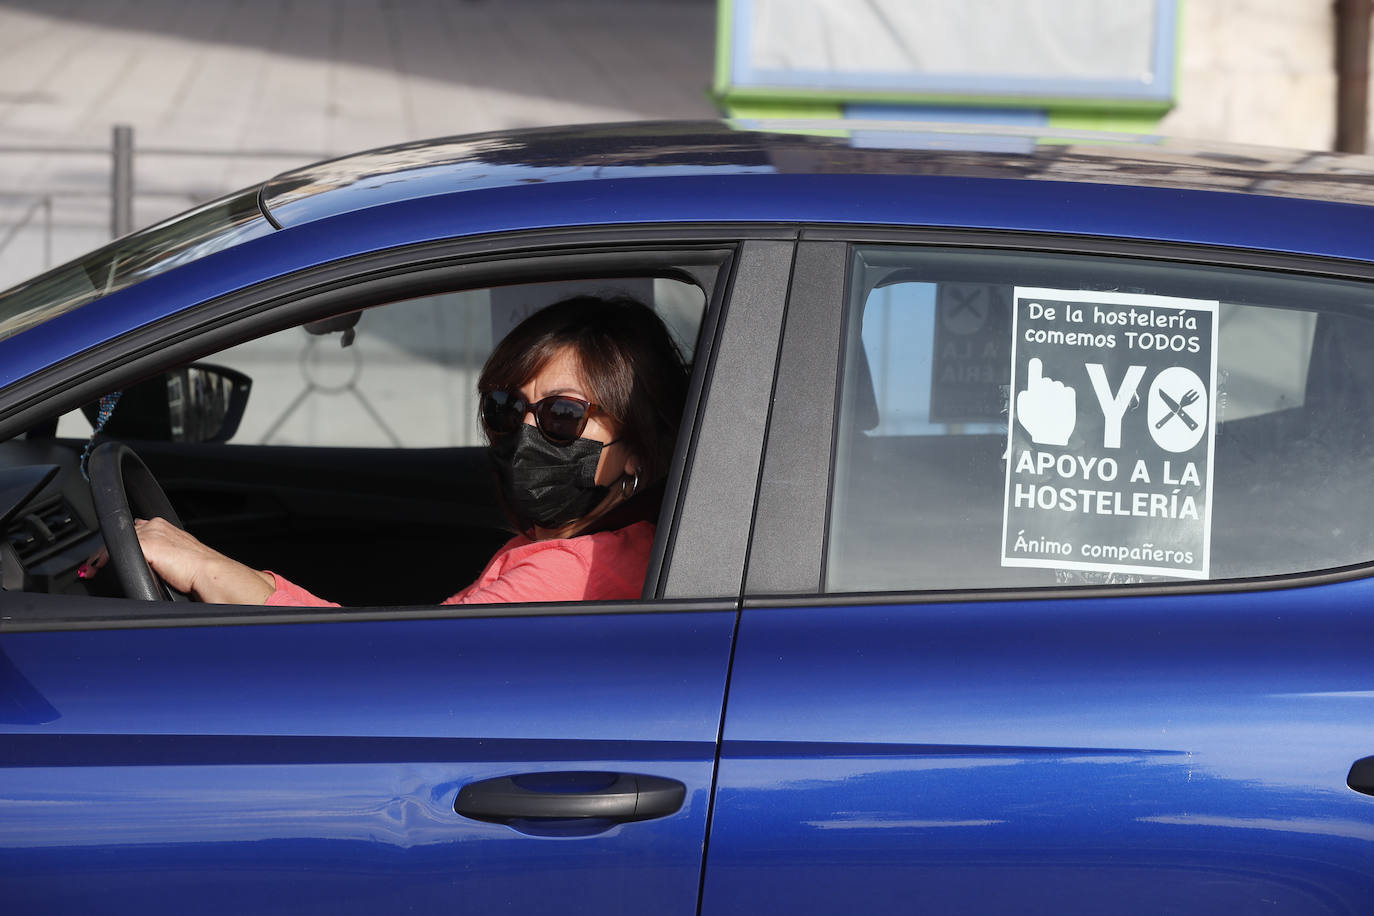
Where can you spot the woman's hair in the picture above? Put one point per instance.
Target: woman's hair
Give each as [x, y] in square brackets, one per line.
[629, 363]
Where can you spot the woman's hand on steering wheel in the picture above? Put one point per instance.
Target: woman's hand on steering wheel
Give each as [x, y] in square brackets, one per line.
[189, 566]
[141, 551]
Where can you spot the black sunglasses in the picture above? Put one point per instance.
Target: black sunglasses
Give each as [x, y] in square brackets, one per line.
[559, 418]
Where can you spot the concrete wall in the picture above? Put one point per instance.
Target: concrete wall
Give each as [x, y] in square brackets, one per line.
[1257, 71]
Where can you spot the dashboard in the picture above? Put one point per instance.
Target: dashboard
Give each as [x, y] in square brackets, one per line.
[47, 521]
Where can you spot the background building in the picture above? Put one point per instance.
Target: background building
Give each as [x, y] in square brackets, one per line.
[222, 93]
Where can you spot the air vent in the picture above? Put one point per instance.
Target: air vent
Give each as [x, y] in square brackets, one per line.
[50, 526]
[61, 521]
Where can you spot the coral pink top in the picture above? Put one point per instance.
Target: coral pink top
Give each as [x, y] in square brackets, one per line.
[605, 566]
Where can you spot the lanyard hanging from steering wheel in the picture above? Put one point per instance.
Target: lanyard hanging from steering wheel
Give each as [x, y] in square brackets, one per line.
[107, 406]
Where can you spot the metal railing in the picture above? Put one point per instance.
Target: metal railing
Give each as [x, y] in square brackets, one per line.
[122, 154]
[42, 204]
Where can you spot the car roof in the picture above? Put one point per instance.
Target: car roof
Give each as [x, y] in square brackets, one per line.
[641, 150]
[790, 177]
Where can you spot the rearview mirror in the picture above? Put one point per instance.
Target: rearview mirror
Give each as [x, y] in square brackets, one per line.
[196, 403]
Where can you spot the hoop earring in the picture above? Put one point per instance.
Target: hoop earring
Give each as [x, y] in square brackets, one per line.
[634, 486]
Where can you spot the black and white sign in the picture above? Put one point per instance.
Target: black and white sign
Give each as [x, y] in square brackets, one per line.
[1109, 457]
[968, 379]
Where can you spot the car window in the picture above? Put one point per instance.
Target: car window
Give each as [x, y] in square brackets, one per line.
[1013, 419]
[405, 375]
[300, 446]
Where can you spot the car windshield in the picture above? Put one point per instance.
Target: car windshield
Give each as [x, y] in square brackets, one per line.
[203, 231]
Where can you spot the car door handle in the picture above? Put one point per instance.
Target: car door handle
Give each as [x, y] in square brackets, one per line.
[571, 795]
[1361, 777]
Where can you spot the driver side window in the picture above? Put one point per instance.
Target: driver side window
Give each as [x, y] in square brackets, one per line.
[409, 376]
[356, 468]
[401, 375]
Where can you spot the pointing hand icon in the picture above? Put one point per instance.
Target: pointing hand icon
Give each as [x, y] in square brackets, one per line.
[1047, 409]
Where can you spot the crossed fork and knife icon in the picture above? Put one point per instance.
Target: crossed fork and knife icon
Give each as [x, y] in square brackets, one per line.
[1176, 408]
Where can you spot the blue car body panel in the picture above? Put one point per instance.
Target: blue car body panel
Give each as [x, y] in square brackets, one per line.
[282, 768]
[1132, 755]
[1182, 752]
[590, 154]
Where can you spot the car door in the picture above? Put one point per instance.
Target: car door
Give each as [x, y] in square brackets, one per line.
[951, 696]
[220, 759]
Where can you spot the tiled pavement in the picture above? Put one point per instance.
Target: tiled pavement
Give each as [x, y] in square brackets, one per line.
[219, 80]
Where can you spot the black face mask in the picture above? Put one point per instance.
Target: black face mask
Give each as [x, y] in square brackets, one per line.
[545, 484]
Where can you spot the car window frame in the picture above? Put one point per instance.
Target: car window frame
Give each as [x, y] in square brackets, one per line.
[787, 553]
[749, 263]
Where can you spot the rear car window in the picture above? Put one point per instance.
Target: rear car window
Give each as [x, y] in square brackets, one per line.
[1025, 419]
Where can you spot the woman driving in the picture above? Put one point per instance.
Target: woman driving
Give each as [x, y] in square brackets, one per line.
[580, 404]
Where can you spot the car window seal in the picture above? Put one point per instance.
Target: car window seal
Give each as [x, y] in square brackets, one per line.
[127, 614]
[1277, 582]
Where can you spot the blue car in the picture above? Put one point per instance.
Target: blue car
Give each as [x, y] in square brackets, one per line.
[1014, 558]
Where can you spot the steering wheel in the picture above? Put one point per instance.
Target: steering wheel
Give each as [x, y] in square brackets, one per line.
[123, 488]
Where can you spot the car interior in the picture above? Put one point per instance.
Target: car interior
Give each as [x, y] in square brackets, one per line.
[1292, 445]
[343, 452]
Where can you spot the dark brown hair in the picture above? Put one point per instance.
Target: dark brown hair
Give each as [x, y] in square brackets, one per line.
[626, 358]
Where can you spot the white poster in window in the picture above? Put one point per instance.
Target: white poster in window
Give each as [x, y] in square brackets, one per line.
[1112, 433]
